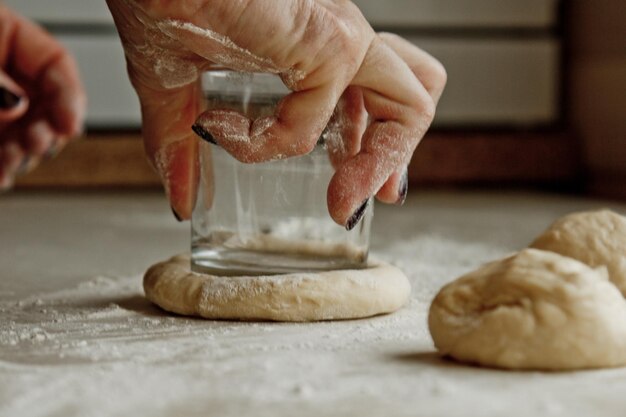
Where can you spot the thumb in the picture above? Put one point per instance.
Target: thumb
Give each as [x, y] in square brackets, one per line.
[171, 145]
[13, 100]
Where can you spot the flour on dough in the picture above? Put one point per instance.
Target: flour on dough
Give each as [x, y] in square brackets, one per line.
[533, 310]
[334, 295]
[596, 238]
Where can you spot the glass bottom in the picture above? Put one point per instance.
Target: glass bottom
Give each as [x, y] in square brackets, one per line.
[223, 261]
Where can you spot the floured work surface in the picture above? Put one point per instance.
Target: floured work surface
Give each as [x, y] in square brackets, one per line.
[86, 342]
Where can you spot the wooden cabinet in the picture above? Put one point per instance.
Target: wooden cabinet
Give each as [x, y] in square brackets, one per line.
[597, 81]
[499, 121]
[398, 13]
[497, 74]
[64, 12]
[113, 103]
[502, 56]
[504, 14]
[499, 81]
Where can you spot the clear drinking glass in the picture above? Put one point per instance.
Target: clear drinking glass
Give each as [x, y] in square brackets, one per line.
[267, 218]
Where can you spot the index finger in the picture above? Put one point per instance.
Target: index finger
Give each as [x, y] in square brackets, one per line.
[401, 111]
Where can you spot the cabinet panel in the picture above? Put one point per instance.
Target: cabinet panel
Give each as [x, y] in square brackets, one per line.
[63, 11]
[112, 100]
[504, 82]
[461, 13]
[497, 82]
[470, 13]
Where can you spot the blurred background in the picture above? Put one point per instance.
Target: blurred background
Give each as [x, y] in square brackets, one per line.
[536, 95]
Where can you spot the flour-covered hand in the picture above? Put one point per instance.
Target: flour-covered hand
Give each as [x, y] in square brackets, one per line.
[324, 51]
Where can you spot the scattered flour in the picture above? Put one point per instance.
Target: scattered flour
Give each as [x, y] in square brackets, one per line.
[100, 349]
[261, 125]
[237, 57]
[162, 163]
[219, 122]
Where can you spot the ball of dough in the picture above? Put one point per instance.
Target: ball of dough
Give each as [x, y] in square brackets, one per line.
[534, 310]
[596, 238]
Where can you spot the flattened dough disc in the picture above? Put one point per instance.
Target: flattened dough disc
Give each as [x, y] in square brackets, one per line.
[334, 295]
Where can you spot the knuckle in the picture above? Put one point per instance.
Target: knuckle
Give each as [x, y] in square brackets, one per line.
[345, 40]
[347, 35]
[304, 147]
[425, 109]
[389, 37]
[439, 74]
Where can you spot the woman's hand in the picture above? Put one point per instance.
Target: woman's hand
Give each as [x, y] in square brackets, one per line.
[42, 102]
[325, 52]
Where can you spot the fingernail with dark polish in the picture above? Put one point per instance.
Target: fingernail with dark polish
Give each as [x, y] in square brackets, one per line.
[200, 131]
[176, 215]
[8, 99]
[403, 189]
[357, 216]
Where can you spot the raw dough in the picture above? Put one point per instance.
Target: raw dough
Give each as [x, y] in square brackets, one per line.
[595, 238]
[533, 310]
[344, 294]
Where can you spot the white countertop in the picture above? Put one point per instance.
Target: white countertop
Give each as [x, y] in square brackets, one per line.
[77, 337]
